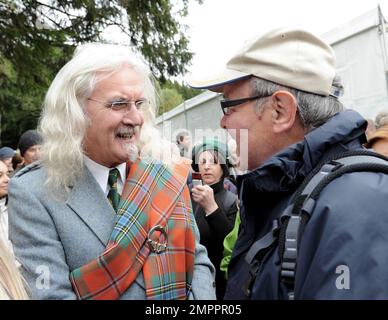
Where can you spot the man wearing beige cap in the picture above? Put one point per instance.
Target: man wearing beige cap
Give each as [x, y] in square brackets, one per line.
[281, 92]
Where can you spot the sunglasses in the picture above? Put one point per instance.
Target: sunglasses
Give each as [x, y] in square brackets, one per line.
[226, 104]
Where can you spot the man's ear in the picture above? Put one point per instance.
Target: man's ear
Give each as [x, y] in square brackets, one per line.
[284, 108]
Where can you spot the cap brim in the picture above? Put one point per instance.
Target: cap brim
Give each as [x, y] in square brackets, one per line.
[216, 82]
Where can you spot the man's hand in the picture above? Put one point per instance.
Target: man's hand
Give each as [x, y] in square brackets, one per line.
[204, 196]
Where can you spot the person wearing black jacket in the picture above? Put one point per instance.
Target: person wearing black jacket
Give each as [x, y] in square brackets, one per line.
[214, 207]
[281, 100]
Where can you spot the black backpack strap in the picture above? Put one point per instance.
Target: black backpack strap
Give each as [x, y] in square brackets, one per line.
[293, 228]
[256, 253]
[259, 248]
[304, 203]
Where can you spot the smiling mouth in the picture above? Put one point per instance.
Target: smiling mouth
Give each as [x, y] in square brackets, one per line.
[126, 133]
[124, 136]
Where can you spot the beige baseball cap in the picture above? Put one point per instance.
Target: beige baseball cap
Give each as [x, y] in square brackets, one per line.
[288, 56]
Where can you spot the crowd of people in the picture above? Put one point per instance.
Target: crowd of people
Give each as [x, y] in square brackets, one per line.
[93, 207]
[12, 285]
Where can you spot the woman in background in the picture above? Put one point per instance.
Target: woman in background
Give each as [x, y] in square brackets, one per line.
[4, 179]
[214, 207]
[11, 283]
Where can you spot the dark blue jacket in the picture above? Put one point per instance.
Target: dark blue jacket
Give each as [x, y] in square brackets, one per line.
[347, 234]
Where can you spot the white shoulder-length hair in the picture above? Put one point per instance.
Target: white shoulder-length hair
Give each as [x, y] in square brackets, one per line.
[63, 122]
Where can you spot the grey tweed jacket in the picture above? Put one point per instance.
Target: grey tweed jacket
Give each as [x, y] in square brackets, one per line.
[52, 238]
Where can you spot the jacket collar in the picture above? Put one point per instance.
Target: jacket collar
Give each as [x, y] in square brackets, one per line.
[218, 186]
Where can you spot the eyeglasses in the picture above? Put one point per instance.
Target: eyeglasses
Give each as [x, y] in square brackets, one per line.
[227, 104]
[123, 106]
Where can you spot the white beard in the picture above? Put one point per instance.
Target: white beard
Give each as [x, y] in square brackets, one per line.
[132, 151]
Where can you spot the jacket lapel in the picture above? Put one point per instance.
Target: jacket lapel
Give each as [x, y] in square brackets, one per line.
[88, 201]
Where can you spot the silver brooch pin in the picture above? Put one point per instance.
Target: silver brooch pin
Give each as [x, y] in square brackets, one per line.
[156, 246]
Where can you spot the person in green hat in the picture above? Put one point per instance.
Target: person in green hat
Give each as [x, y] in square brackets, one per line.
[214, 207]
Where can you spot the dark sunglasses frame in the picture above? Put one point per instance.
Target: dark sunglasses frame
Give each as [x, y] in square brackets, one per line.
[225, 104]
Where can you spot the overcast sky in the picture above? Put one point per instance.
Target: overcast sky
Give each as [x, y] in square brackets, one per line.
[219, 27]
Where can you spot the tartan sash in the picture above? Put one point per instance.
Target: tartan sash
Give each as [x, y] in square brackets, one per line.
[153, 195]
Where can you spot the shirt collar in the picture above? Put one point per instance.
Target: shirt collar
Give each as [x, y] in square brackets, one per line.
[101, 174]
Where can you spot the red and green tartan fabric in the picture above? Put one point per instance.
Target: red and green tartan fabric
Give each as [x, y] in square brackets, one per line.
[153, 195]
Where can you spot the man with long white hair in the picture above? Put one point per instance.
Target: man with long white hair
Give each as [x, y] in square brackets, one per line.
[99, 217]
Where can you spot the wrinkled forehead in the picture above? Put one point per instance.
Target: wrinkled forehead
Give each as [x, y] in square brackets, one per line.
[119, 75]
[127, 79]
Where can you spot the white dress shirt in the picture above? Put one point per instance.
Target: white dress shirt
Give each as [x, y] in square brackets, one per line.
[4, 230]
[101, 174]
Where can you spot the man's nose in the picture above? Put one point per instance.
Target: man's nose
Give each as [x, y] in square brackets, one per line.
[223, 122]
[134, 117]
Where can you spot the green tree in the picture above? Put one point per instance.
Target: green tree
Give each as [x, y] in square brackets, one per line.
[169, 99]
[185, 91]
[172, 93]
[38, 37]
